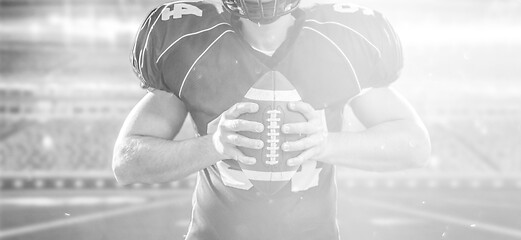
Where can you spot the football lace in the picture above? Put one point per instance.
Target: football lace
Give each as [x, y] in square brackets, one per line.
[273, 136]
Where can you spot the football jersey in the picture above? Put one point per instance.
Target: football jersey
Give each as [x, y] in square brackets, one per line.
[332, 53]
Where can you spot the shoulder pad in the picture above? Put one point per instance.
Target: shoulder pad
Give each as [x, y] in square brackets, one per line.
[163, 26]
[367, 25]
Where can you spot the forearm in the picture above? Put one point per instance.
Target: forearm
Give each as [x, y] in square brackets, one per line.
[152, 160]
[388, 146]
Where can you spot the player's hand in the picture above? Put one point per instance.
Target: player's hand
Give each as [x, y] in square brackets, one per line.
[315, 129]
[226, 139]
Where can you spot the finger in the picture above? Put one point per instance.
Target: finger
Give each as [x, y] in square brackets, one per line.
[242, 141]
[236, 125]
[241, 108]
[301, 158]
[303, 143]
[304, 108]
[237, 155]
[301, 128]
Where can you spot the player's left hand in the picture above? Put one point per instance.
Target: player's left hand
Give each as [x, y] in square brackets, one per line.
[315, 129]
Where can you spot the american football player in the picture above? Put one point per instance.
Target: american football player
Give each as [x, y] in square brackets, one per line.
[201, 58]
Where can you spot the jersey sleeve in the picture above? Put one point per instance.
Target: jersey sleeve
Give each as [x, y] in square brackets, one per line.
[143, 54]
[169, 39]
[367, 38]
[389, 61]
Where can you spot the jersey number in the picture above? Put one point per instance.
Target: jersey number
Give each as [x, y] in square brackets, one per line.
[349, 8]
[179, 10]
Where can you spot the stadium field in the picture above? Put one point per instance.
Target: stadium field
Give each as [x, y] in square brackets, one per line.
[365, 212]
[66, 85]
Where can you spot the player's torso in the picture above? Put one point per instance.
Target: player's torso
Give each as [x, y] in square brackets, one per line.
[214, 67]
[208, 65]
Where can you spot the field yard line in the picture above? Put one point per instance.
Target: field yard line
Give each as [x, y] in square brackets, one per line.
[88, 218]
[441, 217]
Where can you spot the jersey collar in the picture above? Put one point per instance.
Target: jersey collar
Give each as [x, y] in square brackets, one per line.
[284, 48]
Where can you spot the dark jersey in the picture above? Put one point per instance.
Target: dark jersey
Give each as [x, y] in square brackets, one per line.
[332, 53]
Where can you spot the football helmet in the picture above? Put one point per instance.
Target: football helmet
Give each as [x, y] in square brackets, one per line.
[260, 11]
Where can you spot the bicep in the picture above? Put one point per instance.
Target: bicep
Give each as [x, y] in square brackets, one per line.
[158, 114]
[380, 105]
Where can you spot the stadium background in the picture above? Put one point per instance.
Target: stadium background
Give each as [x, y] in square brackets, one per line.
[66, 85]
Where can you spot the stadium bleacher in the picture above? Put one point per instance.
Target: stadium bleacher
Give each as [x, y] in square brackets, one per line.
[60, 145]
[68, 68]
[473, 145]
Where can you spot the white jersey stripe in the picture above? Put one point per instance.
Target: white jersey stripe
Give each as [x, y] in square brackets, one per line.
[135, 42]
[196, 60]
[341, 52]
[187, 35]
[269, 176]
[365, 90]
[351, 29]
[268, 95]
[152, 27]
[146, 40]
[194, 203]
[148, 19]
[185, 1]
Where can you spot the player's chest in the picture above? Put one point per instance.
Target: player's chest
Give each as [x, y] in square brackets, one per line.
[223, 74]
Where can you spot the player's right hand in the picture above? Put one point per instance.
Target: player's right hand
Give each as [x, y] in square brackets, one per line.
[226, 138]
